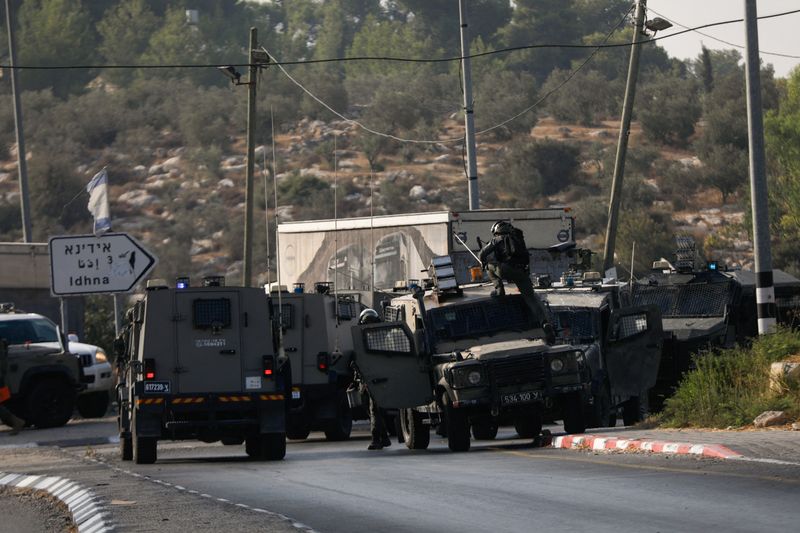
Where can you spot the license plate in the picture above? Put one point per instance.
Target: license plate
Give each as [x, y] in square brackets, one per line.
[156, 387]
[520, 397]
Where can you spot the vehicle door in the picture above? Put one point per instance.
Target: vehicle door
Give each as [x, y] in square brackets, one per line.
[387, 359]
[208, 341]
[291, 314]
[633, 349]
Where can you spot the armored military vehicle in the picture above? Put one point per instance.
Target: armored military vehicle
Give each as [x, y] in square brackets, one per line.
[622, 343]
[201, 363]
[457, 356]
[317, 340]
[43, 377]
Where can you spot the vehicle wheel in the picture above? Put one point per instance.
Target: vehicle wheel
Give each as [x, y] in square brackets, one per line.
[273, 446]
[600, 414]
[484, 428]
[50, 403]
[297, 428]
[252, 446]
[231, 441]
[144, 450]
[574, 421]
[631, 411]
[529, 426]
[93, 404]
[458, 439]
[125, 448]
[416, 435]
[340, 427]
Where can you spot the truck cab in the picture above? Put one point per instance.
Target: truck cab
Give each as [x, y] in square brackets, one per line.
[461, 358]
[201, 363]
[622, 343]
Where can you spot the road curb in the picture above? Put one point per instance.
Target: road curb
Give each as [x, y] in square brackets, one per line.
[600, 442]
[88, 514]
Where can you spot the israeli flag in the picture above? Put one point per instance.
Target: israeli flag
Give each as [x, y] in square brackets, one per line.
[98, 202]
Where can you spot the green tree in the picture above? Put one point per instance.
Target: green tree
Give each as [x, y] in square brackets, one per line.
[668, 109]
[125, 32]
[587, 98]
[532, 170]
[56, 33]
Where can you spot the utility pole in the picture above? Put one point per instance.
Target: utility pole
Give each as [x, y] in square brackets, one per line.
[765, 291]
[247, 258]
[469, 119]
[22, 165]
[624, 133]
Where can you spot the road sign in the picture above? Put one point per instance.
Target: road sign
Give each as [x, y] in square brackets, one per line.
[85, 264]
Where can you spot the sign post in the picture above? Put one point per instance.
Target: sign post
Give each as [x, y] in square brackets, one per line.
[85, 264]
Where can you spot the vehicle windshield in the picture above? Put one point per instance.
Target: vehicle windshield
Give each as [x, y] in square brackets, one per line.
[574, 324]
[482, 318]
[686, 300]
[31, 330]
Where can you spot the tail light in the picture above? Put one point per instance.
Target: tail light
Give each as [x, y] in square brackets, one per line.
[149, 369]
[323, 361]
[269, 365]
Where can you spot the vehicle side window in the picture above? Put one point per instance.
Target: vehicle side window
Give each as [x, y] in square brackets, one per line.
[630, 325]
[387, 340]
[284, 315]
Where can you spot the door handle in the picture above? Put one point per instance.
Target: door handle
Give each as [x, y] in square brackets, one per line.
[227, 352]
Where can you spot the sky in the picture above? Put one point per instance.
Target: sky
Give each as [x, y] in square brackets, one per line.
[774, 35]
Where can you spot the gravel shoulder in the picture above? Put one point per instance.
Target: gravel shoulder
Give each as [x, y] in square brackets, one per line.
[32, 511]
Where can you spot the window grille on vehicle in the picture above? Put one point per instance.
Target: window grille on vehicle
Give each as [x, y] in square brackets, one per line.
[481, 318]
[211, 313]
[573, 324]
[687, 300]
[393, 313]
[285, 315]
[389, 339]
[631, 325]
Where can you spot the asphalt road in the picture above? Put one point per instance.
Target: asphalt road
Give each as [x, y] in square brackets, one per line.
[504, 485]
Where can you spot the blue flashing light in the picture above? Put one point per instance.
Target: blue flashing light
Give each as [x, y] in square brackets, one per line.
[712, 265]
[182, 283]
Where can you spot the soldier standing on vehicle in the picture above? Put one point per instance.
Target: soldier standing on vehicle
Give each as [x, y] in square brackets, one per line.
[512, 262]
[7, 417]
[377, 426]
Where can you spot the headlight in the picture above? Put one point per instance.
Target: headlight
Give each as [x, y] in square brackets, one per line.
[466, 376]
[100, 357]
[556, 365]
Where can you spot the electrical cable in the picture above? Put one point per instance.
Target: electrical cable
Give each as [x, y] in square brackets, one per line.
[399, 59]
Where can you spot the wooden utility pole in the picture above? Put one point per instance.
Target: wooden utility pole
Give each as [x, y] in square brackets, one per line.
[247, 257]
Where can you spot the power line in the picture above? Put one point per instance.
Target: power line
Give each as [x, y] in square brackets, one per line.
[399, 59]
[723, 41]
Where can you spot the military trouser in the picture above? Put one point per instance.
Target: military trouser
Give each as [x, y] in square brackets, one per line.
[8, 418]
[520, 277]
[377, 425]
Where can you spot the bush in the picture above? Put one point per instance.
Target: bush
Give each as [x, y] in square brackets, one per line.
[731, 387]
[533, 169]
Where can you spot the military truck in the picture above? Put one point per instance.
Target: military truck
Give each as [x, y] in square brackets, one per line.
[43, 377]
[201, 363]
[316, 338]
[622, 343]
[458, 357]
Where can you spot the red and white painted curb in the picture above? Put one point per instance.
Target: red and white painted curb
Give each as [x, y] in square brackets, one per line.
[599, 442]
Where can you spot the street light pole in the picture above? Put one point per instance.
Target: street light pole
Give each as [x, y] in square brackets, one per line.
[765, 290]
[624, 133]
[469, 118]
[22, 165]
[247, 257]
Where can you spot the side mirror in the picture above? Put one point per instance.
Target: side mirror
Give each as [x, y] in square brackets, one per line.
[73, 338]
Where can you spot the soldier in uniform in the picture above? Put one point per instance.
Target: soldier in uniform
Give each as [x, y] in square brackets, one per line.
[511, 262]
[7, 417]
[380, 438]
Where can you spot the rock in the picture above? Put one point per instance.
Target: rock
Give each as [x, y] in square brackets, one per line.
[226, 182]
[156, 169]
[172, 163]
[603, 134]
[138, 198]
[140, 171]
[417, 192]
[782, 374]
[796, 426]
[770, 418]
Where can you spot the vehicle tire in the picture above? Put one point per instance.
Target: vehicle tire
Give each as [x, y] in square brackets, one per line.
[484, 428]
[631, 411]
[252, 446]
[458, 438]
[529, 425]
[93, 404]
[144, 450]
[340, 427]
[50, 403]
[273, 446]
[600, 413]
[297, 428]
[574, 421]
[416, 435]
[125, 448]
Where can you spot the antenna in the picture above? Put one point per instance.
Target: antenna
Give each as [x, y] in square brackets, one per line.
[266, 192]
[372, 226]
[336, 247]
[277, 237]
